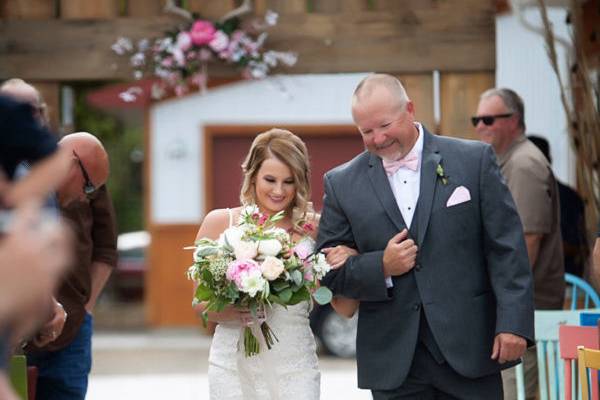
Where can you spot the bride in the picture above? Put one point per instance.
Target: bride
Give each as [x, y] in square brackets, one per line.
[276, 177]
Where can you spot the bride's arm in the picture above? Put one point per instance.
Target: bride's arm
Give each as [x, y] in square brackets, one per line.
[336, 257]
[212, 226]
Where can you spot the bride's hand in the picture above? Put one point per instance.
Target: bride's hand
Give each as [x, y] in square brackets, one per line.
[337, 256]
[229, 313]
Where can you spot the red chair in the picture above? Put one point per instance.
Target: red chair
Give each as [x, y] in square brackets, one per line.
[569, 337]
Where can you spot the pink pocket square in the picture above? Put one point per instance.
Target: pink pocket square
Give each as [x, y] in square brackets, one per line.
[460, 195]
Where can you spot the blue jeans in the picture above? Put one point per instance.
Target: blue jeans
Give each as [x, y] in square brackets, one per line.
[63, 374]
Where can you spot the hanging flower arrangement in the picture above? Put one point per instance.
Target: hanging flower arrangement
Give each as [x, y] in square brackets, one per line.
[181, 57]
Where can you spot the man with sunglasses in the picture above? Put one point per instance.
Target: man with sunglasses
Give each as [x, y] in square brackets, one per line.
[500, 121]
[64, 363]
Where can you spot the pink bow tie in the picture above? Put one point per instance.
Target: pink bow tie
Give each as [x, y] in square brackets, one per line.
[410, 161]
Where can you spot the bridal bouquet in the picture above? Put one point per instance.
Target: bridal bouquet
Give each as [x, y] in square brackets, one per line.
[254, 265]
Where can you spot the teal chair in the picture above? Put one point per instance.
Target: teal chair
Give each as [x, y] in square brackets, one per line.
[581, 292]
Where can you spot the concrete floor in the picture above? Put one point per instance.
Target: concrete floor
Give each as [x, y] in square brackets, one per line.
[159, 364]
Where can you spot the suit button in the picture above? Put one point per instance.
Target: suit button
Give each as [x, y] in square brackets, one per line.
[418, 267]
[417, 307]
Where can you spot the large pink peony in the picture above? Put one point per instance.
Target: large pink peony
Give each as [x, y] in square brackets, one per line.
[238, 269]
[202, 32]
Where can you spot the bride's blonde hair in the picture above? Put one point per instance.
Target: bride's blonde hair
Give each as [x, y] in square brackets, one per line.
[290, 150]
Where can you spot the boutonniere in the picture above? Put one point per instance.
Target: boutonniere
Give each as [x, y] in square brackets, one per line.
[441, 174]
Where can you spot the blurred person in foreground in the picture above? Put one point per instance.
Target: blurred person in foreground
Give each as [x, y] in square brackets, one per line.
[441, 250]
[22, 138]
[34, 251]
[500, 121]
[25, 141]
[65, 362]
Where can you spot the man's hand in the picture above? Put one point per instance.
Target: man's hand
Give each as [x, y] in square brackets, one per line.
[53, 328]
[508, 347]
[399, 255]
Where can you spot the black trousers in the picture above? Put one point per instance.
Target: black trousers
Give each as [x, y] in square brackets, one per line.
[429, 380]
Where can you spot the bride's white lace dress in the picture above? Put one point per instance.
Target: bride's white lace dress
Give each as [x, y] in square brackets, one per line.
[289, 371]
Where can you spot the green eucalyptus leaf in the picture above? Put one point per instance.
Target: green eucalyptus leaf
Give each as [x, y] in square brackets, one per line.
[296, 276]
[299, 296]
[279, 285]
[322, 295]
[286, 295]
[273, 298]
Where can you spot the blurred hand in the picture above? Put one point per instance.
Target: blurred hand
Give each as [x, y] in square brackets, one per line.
[53, 328]
[33, 256]
[338, 255]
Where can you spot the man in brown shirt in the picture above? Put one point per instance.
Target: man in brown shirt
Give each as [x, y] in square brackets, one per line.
[500, 121]
[64, 363]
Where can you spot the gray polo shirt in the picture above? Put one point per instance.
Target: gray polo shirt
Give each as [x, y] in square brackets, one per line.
[533, 187]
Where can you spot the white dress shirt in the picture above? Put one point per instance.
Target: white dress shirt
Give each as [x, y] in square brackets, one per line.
[405, 184]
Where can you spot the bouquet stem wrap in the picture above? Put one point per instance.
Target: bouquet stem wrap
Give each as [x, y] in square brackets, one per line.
[251, 343]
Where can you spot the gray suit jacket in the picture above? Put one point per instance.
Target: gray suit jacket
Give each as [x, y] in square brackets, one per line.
[472, 278]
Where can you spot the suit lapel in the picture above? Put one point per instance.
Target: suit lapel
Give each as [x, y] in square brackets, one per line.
[431, 159]
[383, 191]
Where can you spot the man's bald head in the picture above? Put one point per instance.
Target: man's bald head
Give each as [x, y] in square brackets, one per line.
[22, 91]
[94, 160]
[375, 83]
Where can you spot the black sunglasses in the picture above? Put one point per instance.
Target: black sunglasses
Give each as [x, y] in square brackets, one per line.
[488, 119]
[88, 187]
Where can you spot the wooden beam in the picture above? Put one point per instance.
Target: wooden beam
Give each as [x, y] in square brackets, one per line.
[70, 49]
[84, 9]
[145, 8]
[410, 41]
[27, 9]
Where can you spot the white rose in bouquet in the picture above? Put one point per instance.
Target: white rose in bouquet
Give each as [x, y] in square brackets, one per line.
[231, 236]
[244, 250]
[271, 268]
[269, 247]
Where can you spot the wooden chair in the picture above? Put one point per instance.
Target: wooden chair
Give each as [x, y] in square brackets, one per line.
[587, 358]
[570, 338]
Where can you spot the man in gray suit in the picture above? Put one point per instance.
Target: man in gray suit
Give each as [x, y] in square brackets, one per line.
[442, 274]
